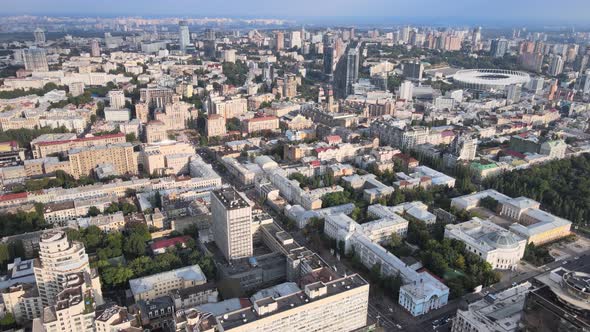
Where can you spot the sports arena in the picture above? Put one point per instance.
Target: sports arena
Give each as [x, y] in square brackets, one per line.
[489, 79]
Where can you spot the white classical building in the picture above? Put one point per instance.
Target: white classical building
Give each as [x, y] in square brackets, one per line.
[421, 291]
[497, 246]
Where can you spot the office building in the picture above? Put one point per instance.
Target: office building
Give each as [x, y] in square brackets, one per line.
[39, 35]
[95, 48]
[116, 99]
[35, 60]
[84, 161]
[58, 259]
[492, 243]
[232, 219]
[498, 48]
[500, 312]
[413, 70]
[184, 35]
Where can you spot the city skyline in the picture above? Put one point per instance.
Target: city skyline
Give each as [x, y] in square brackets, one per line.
[328, 12]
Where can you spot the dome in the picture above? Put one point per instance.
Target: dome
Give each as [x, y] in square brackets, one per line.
[502, 239]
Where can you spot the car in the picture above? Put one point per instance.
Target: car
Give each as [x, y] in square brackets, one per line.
[399, 326]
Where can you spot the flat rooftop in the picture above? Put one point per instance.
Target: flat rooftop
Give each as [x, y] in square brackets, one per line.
[231, 198]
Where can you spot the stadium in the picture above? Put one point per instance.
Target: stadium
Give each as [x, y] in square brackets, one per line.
[490, 79]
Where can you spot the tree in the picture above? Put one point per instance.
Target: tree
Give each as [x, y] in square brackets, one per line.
[395, 240]
[375, 273]
[130, 137]
[93, 211]
[116, 275]
[4, 254]
[8, 321]
[134, 246]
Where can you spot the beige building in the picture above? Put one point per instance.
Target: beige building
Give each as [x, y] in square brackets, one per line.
[260, 124]
[163, 284]
[155, 131]
[83, 161]
[49, 144]
[23, 302]
[142, 112]
[74, 306]
[232, 223]
[216, 125]
[175, 115]
[230, 108]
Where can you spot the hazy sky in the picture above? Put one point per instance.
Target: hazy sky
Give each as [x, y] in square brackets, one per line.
[533, 11]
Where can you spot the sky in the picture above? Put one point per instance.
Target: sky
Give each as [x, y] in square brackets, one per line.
[421, 11]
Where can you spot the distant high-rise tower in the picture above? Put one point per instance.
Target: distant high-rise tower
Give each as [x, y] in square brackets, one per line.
[413, 70]
[94, 48]
[295, 39]
[347, 72]
[184, 35]
[210, 34]
[39, 36]
[556, 65]
[476, 39]
[279, 40]
[35, 59]
[232, 223]
[406, 90]
[498, 48]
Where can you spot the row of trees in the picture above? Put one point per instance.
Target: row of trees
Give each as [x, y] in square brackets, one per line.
[25, 136]
[319, 181]
[21, 92]
[561, 186]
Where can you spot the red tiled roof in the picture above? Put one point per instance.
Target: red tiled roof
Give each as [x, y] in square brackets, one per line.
[447, 133]
[514, 154]
[10, 197]
[169, 242]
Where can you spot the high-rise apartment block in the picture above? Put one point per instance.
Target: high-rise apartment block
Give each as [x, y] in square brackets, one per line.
[498, 48]
[184, 35]
[232, 223]
[58, 259]
[94, 48]
[35, 59]
[39, 36]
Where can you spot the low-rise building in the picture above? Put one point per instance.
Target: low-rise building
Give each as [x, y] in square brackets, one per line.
[165, 283]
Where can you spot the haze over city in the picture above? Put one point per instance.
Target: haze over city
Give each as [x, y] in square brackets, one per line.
[341, 11]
